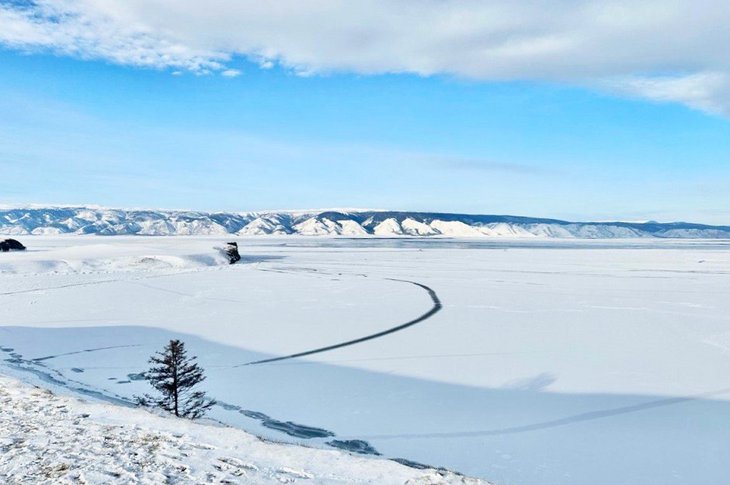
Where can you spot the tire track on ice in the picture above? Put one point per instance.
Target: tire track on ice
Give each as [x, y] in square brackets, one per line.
[437, 306]
[48, 357]
[106, 281]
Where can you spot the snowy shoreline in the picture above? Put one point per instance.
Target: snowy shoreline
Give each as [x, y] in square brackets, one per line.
[60, 439]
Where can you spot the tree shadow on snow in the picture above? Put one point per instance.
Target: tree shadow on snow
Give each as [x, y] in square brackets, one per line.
[518, 434]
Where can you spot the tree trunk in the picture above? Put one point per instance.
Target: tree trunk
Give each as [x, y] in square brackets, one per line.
[175, 384]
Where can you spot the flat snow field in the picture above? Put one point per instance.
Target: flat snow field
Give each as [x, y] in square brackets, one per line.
[540, 362]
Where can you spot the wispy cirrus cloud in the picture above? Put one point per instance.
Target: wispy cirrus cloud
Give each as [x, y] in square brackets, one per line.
[480, 165]
[622, 46]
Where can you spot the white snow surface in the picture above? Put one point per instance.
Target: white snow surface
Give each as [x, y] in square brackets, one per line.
[455, 228]
[49, 438]
[416, 228]
[552, 362]
[389, 227]
[261, 226]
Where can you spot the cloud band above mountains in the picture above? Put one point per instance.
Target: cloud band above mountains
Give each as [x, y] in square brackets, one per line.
[657, 49]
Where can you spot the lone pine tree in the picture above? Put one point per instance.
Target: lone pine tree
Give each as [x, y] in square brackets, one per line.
[174, 375]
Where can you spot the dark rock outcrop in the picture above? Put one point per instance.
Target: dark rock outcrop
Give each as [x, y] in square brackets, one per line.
[231, 251]
[354, 446]
[11, 245]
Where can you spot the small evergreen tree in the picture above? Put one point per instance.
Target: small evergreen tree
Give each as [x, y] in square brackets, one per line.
[174, 375]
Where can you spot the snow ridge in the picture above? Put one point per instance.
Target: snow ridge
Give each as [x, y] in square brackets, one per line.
[103, 221]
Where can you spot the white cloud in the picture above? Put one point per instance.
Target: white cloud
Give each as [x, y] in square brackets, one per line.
[231, 73]
[77, 29]
[628, 46]
[707, 91]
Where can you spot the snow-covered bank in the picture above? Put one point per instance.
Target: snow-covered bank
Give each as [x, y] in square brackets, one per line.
[56, 256]
[47, 438]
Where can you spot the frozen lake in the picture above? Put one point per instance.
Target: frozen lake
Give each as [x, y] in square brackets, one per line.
[547, 362]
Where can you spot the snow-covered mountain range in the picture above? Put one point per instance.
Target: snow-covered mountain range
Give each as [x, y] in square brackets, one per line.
[86, 220]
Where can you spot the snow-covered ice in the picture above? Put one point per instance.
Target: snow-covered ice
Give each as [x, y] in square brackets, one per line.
[550, 362]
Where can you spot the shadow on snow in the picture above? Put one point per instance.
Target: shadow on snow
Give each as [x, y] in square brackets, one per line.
[522, 435]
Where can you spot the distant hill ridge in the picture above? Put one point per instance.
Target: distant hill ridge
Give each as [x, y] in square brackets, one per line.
[88, 220]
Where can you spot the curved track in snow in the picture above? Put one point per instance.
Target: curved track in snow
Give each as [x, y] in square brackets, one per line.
[434, 309]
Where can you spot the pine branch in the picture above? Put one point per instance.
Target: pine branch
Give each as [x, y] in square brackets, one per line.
[174, 375]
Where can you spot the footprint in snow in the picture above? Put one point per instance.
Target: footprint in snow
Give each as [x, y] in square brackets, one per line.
[285, 472]
[234, 462]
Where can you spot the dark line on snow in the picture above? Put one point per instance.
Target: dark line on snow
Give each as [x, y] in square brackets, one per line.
[577, 418]
[435, 309]
[48, 357]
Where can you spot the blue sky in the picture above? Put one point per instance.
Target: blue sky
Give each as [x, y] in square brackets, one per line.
[84, 129]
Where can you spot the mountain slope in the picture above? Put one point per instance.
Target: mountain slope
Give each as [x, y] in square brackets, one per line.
[84, 220]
